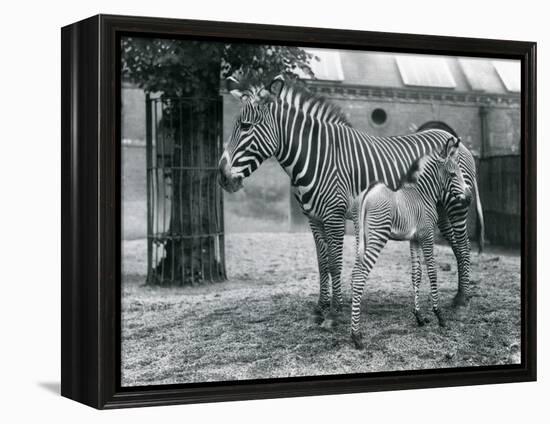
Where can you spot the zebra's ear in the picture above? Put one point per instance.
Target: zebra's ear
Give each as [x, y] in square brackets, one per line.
[238, 94]
[451, 148]
[232, 84]
[276, 86]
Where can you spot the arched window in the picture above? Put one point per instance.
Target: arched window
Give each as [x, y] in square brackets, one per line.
[437, 125]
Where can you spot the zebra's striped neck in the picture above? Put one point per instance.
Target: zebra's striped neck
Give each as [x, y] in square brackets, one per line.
[296, 111]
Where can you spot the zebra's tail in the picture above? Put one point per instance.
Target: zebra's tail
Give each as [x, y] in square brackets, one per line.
[480, 222]
[359, 225]
[359, 215]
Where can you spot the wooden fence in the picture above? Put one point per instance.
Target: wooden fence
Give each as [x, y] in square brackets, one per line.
[500, 189]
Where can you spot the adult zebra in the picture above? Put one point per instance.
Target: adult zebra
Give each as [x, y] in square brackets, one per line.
[329, 163]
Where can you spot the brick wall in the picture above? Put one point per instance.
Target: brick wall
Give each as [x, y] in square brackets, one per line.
[406, 117]
[504, 130]
[275, 207]
[133, 114]
[134, 193]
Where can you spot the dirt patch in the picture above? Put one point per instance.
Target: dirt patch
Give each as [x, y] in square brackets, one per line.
[259, 323]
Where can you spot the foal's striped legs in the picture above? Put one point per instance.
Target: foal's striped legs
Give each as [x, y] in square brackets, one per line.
[364, 262]
[416, 280]
[427, 245]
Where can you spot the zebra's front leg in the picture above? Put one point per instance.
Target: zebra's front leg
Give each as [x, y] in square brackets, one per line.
[321, 247]
[427, 244]
[416, 280]
[335, 229]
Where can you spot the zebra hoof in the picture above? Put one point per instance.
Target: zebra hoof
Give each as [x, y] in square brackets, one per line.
[318, 319]
[337, 309]
[327, 324]
[460, 300]
[420, 320]
[321, 309]
[357, 339]
[441, 320]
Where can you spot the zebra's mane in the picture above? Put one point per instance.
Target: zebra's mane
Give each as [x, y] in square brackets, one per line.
[312, 104]
[415, 171]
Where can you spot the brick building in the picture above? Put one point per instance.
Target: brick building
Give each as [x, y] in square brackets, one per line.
[382, 94]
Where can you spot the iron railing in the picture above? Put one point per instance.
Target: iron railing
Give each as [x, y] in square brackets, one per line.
[185, 228]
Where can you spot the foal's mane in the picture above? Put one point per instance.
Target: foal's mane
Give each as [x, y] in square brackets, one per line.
[417, 168]
[314, 105]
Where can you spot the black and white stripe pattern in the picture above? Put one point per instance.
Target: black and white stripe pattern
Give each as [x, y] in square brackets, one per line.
[329, 163]
[410, 213]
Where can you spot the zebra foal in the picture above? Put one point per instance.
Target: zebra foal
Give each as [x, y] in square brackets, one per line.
[409, 213]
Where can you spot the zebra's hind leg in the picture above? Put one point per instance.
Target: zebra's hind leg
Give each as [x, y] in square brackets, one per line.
[358, 277]
[416, 279]
[448, 233]
[458, 218]
[462, 296]
[321, 246]
[440, 318]
[427, 244]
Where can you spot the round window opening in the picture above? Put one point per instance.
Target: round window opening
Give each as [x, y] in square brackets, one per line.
[379, 116]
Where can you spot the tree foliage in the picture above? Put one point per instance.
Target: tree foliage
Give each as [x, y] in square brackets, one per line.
[194, 68]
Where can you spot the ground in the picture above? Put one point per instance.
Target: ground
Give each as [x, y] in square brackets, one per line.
[259, 324]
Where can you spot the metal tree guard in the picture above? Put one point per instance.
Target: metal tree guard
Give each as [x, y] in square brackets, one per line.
[185, 233]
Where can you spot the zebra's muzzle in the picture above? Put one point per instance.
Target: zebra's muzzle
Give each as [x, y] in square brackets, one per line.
[465, 198]
[229, 182]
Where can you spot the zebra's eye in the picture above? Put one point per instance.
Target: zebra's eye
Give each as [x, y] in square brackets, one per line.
[245, 126]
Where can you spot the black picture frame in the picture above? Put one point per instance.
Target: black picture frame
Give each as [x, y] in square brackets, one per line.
[91, 193]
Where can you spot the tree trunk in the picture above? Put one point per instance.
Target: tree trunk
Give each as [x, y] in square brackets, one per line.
[188, 213]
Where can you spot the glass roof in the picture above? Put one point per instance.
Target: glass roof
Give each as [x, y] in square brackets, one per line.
[377, 69]
[329, 65]
[425, 71]
[509, 72]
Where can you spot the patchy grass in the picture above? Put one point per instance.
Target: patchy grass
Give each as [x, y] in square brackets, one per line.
[259, 324]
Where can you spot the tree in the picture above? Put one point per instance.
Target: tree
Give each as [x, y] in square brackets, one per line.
[193, 70]
[183, 68]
